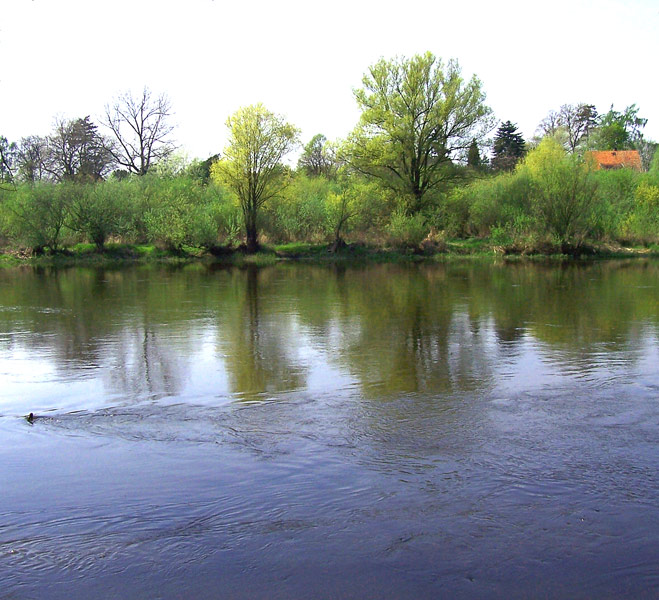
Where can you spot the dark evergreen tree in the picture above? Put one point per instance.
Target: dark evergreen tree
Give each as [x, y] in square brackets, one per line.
[473, 156]
[508, 147]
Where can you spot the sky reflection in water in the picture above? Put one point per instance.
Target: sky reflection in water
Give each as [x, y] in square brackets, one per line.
[304, 431]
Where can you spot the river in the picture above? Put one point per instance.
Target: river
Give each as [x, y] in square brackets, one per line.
[460, 430]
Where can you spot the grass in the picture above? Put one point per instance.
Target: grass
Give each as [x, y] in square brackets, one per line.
[116, 253]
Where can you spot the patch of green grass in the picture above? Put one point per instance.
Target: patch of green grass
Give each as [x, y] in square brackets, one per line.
[297, 249]
[7, 260]
[467, 249]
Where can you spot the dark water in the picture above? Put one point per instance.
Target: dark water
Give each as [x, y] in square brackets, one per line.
[440, 431]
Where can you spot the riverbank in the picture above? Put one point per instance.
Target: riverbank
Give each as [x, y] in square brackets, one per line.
[88, 254]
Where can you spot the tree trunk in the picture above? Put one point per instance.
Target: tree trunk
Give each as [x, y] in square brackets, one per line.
[252, 242]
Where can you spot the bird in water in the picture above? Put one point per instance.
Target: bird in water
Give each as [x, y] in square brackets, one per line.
[30, 418]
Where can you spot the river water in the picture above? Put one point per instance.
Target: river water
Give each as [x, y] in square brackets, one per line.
[459, 430]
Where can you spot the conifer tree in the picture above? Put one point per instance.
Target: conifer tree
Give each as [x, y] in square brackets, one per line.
[508, 147]
[473, 156]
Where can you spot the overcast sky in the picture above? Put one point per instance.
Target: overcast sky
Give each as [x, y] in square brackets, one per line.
[302, 59]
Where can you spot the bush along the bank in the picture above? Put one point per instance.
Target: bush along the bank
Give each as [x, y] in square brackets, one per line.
[555, 202]
[551, 202]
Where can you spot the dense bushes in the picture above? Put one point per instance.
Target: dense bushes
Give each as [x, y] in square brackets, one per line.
[550, 202]
[554, 201]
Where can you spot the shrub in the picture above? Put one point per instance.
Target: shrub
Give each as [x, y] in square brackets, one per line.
[37, 216]
[642, 224]
[563, 192]
[407, 231]
[100, 210]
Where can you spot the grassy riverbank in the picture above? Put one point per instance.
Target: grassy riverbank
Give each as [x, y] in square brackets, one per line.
[87, 254]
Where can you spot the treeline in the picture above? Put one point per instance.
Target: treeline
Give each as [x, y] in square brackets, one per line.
[412, 174]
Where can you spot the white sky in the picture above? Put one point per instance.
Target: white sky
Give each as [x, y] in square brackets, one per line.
[303, 59]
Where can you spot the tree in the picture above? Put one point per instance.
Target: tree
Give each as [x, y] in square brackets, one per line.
[550, 125]
[508, 147]
[76, 151]
[620, 130]
[141, 129]
[251, 163]
[647, 149]
[578, 121]
[8, 155]
[473, 156]
[32, 158]
[571, 125]
[38, 215]
[318, 158]
[418, 115]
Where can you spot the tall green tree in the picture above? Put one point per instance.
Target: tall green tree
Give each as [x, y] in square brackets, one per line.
[508, 147]
[418, 115]
[251, 163]
[620, 130]
[473, 156]
[318, 158]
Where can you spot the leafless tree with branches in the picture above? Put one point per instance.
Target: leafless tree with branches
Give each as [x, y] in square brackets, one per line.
[141, 128]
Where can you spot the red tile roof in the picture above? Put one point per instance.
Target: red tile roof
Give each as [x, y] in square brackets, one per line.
[617, 159]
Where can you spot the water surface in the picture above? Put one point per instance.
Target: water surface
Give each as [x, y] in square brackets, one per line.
[461, 430]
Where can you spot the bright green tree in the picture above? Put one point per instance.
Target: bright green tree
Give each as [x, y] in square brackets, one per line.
[564, 192]
[251, 163]
[418, 115]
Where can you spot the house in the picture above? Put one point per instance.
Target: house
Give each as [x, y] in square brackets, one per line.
[616, 159]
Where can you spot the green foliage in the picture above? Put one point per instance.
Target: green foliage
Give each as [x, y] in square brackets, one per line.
[654, 165]
[100, 211]
[498, 201]
[318, 158]
[180, 212]
[619, 130]
[37, 215]
[299, 213]
[508, 147]
[201, 169]
[563, 192]
[251, 165]
[8, 155]
[417, 116]
[349, 205]
[642, 224]
[615, 192]
[407, 231]
[473, 156]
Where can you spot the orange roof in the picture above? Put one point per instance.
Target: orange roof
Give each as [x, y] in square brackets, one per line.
[617, 159]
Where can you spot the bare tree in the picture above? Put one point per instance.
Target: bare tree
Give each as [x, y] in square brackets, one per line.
[572, 124]
[550, 124]
[141, 129]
